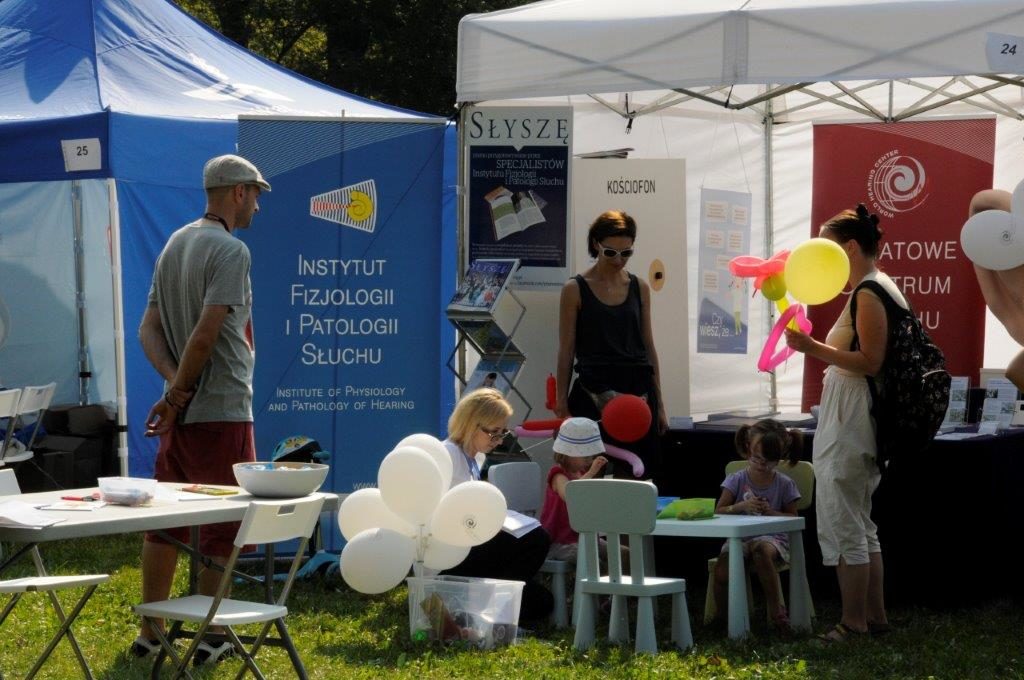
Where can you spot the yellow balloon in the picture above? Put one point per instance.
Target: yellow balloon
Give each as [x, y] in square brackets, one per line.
[817, 271]
[774, 287]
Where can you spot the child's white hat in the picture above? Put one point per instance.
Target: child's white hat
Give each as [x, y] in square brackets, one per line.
[579, 438]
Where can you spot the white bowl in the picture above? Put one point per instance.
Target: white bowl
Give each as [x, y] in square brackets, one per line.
[126, 490]
[280, 480]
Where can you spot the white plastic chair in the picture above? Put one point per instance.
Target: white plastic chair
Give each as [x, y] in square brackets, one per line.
[48, 584]
[35, 399]
[520, 483]
[8, 412]
[264, 522]
[803, 475]
[618, 507]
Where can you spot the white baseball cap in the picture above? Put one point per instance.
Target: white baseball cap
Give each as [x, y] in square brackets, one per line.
[579, 438]
[229, 170]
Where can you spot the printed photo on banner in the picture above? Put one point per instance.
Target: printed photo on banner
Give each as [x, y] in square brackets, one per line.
[518, 198]
[724, 301]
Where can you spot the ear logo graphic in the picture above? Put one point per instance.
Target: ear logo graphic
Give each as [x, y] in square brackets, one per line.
[352, 206]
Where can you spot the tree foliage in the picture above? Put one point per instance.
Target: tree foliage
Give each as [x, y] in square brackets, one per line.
[400, 52]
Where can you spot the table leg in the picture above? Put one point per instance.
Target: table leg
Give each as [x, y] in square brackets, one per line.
[739, 617]
[193, 560]
[799, 611]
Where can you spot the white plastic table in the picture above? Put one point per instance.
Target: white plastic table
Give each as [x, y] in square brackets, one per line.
[735, 528]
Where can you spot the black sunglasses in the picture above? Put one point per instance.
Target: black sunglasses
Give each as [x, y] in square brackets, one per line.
[611, 252]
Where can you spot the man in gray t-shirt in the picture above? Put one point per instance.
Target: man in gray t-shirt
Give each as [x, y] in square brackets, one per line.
[197, 333]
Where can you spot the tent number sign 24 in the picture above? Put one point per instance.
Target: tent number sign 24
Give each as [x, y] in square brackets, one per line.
[82, 154]
[1005, 53]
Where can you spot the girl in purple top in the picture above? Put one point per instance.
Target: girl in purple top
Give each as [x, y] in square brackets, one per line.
[760, 489]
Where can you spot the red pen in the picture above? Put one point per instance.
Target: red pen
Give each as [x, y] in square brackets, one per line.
[90, 497]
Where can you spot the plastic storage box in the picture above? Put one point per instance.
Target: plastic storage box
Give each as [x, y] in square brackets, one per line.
[482, 612]
[127, 490]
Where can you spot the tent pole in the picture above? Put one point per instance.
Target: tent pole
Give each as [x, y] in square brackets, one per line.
[79, 249]
[462, 233]
[115, 275]
[769, 225]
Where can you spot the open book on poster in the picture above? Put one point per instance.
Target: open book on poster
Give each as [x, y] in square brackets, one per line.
[22, 515]
[499, 374]
[483, 285]
[514, 211]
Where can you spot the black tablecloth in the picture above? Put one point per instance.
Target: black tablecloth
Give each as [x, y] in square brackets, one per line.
[947, 517]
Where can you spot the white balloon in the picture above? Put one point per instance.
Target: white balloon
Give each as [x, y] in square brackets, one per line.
[469, 514]
[439, 555]
[365, 509]
[1017, 200]
[410, 484]
[377, 560]
[994, 239]
[436, 449]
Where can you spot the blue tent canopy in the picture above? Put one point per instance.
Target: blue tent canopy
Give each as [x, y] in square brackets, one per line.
[161, 93]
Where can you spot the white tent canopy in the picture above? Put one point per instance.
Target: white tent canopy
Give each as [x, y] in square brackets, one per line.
[734, 88]
[564, 47]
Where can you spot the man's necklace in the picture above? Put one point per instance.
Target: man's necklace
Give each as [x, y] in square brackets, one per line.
[217, 218]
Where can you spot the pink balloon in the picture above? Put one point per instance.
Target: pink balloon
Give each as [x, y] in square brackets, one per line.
[769, 357]
[759, 269]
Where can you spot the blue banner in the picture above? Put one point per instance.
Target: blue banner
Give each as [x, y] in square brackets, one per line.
[346, 261]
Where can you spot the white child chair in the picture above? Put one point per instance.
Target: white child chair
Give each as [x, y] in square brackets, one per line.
[618, 508]
[520, 483]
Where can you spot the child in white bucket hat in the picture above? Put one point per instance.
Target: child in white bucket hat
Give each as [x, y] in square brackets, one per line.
[577, 447]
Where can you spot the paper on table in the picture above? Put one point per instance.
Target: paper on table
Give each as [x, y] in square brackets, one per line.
[21, 514]
[73, 505]
[518, 524]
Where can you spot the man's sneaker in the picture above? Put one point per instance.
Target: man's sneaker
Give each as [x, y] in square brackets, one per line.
[208, 652]
[142, 647]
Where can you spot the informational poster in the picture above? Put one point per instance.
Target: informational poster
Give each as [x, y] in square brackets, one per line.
[724, 299]
[660, 252]
[518, 198]
[918, 177]
[345, 286]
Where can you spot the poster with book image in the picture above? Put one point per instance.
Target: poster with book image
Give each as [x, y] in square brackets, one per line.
[497, 373]
[512, 212]
[482, 286]
[487, 337]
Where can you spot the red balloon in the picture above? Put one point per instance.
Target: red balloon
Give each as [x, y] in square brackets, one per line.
[626, 417]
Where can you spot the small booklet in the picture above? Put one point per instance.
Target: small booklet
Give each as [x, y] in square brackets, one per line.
[514, 212]
[482, 286]
[208, 490]
[518, 524]
[499, 374]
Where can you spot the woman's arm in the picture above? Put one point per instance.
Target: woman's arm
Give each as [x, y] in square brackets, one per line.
[652, 353]
[872, 334]
[568, 310]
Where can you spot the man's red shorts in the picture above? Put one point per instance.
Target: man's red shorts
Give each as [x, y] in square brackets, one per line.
[203, 453]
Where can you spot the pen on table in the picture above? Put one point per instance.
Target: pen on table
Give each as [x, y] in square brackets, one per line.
[79, 498]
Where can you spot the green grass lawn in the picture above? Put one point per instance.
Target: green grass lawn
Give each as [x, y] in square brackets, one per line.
[341, 634]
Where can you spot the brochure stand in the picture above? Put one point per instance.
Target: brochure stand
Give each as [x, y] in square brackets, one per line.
[481, 311]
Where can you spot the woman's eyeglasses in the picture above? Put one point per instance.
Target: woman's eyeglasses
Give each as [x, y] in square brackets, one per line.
[496, 434]
[611, 252]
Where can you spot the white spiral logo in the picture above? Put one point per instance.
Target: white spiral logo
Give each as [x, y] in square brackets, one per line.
[898, 183]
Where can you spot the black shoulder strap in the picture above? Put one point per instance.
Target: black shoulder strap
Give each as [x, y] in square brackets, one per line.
[893, 310]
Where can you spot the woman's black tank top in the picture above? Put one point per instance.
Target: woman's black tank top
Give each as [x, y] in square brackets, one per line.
[609, 335]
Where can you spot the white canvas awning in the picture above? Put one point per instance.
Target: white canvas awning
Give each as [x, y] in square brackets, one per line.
[561, 47]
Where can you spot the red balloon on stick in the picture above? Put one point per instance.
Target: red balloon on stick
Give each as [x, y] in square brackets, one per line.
[626, 417]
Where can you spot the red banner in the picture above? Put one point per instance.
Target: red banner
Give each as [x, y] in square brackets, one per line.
[919, 178]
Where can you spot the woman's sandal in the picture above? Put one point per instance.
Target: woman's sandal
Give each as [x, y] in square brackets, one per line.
[879, 629]
[841, 633]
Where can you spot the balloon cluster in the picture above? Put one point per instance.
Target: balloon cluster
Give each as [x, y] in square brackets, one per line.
[625, 417]
[814, 272]
[412, 516]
